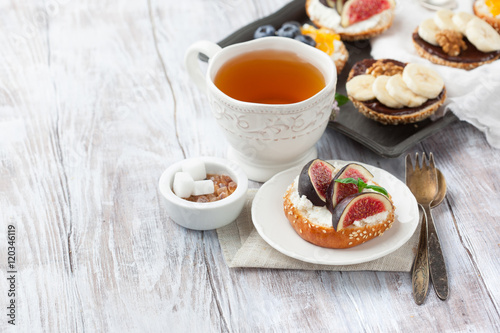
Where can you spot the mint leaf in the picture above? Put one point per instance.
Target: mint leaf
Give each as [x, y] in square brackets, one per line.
[341, 99]
[362, 185]
[358, 182]
[347, 181]
[378, 189]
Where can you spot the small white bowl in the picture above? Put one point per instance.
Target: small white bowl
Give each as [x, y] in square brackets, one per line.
[205, 215]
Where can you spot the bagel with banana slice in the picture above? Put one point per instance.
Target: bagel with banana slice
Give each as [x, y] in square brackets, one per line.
[392, 92]
[457, 39]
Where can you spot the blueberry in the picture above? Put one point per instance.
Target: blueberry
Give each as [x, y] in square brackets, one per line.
[306, 39]
[289, 30]
[264, 31]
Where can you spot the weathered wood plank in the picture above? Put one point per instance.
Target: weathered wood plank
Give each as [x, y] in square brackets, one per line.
[95, 103]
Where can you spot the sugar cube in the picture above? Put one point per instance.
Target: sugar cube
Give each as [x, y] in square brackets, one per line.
[196, 168]
[202, 187]
[183, 184]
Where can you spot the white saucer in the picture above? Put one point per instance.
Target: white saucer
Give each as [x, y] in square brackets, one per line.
[273, 226]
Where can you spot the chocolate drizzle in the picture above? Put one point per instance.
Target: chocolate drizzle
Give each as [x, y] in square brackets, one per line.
[360, 68]
[470, 55]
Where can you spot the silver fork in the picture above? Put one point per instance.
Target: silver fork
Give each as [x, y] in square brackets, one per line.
[423, 183]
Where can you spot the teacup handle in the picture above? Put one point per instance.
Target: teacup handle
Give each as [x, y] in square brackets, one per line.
[191, 60]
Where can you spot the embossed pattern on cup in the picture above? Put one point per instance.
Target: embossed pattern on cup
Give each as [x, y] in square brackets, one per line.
[267, 138]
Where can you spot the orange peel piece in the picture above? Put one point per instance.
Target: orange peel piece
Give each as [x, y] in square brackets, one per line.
[494, 6]
[324, 38]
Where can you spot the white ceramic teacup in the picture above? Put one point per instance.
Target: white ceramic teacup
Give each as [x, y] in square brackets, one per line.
[266, 138]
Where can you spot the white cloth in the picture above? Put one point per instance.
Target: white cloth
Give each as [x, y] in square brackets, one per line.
[473, 96]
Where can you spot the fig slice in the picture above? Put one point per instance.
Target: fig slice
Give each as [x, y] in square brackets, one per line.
[328, 3]
[314, 180]
[357, 207]
[354, 11]
[340, 6]
[336, 192]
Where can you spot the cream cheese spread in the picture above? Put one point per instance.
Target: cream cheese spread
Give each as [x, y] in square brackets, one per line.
[338, 55]
[482, 8]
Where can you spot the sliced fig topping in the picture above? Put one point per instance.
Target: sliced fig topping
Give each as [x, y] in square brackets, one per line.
[314, 180]
[336, 192]
[328, 3]
[355, 11]
[340, 6]
[357, 207]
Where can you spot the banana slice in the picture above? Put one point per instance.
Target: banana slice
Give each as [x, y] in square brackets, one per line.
[381, 93]
[482, 35]
[443, 20]
[398, 90]
[460, 19]
[422, 80]
[427, 31]
[360, 87]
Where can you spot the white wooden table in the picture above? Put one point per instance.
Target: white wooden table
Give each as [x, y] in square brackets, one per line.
[95, 103]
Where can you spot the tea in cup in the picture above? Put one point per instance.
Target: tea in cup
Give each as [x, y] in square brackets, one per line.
[271, 96]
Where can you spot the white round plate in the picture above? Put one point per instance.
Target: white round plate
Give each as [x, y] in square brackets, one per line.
[273, 226]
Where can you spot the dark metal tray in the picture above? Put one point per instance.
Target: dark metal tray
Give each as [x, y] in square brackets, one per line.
[385, 140]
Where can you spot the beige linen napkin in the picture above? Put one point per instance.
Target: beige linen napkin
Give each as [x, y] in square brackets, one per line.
[242, 246]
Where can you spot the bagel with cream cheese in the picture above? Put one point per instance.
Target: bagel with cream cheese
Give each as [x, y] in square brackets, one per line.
[326, 15]
[355, 219]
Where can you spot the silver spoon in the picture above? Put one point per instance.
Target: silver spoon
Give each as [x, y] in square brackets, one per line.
[420, 282]
[441, 189]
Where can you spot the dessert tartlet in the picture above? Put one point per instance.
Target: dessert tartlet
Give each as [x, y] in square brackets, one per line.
[328, 42]
[352, 19]
[457, 39]
[337, 207]
[392, 92]
[488, 10]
